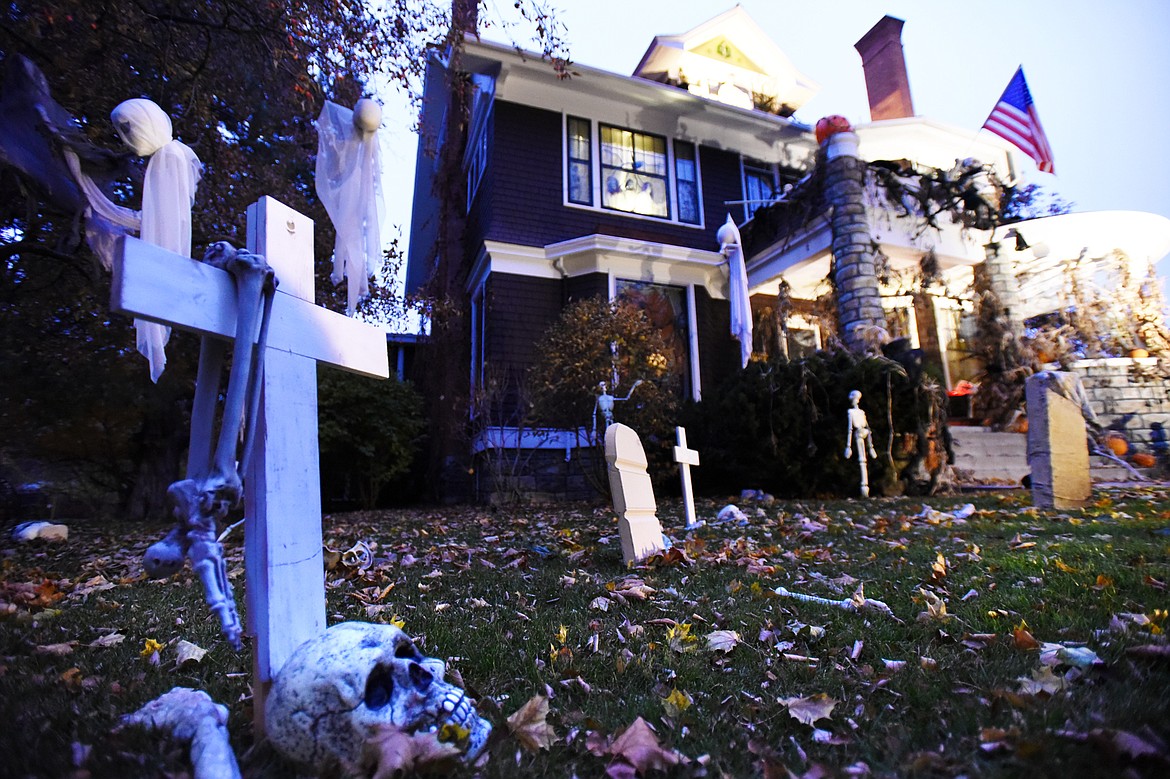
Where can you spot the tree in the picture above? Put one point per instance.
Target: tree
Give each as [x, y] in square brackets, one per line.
[445, 378]
[242, 83]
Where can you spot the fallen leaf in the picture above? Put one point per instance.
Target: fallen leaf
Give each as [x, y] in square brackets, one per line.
[722, 640]
[108, 640]
[55, 650]
[601, 603]
[1041, 681]
[679, 638]
[530, 727]
[390, 752]
[188, 653]
[936, 608]
[638, 746]
[1023, 639]
[676, 703]
[809, 710]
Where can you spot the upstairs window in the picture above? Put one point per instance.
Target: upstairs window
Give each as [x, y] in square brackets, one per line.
[633, 172]
[686, 171]
[759, 185]
[619, 169]
[579, 138]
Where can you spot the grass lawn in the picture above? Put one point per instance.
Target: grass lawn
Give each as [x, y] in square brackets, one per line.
[1022, 642]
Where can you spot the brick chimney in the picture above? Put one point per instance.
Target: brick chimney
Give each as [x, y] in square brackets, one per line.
[885, 70]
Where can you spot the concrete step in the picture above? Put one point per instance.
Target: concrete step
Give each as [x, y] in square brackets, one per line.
[984, 456]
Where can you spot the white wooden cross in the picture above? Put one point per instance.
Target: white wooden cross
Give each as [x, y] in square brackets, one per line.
[284, 568]
[686, 458]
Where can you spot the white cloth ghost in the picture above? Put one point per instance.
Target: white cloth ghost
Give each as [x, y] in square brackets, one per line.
[349, 183]
[168, 192]
[731, 246]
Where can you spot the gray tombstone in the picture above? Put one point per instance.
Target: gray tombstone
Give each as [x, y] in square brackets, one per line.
[1058, 450]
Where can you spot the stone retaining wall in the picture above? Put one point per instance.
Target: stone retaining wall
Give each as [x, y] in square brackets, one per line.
[1119, 386]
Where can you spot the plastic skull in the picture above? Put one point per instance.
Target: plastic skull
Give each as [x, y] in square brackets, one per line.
[337, 688]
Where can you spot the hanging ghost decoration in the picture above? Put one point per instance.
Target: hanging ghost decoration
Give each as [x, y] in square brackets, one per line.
[168, 192]
[349, 183]
[731, 247]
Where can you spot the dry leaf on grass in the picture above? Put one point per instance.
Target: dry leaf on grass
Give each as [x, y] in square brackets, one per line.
[1042, 681]
[1023, 639]
[638, 747]
[188, 653]
[108, 640]
[722, 640]
[809, 710]
[390, 752]
[530, 727]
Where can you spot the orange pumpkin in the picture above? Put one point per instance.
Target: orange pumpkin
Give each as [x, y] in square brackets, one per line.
[1117, 444]
[1143, 460]
[1138, 354]
[829, 126]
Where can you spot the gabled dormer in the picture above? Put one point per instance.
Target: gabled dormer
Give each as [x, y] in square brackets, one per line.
[732, 60]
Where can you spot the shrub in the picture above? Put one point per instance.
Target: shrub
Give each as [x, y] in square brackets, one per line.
[596, 341]
[780, 426]
[370, 436]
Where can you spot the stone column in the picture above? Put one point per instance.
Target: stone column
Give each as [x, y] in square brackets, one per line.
[858, 297]
[1002, 282]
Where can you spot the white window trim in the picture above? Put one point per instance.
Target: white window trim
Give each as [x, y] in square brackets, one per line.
[802, 322]
[894, 302]
[478, 318]
[942, 304]
[595, 174]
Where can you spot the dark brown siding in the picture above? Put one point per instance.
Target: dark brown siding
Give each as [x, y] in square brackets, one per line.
[520, 309]
[718, 351]
[526, 189]
[591, 285]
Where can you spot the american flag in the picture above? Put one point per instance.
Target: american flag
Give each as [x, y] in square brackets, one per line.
[1014, 119]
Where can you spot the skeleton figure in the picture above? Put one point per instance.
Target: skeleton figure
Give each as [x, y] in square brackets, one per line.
[860, 434]
[342, 687]
[605, 402]
[213, 485]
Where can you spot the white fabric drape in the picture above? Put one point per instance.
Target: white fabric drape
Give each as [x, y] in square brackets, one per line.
[168, 192]
[731, 246]
[349, 183]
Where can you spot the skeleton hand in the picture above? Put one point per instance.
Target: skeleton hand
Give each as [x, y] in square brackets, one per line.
[848, 452]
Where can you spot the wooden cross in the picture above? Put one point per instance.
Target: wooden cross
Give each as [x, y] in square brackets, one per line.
[284, 568]
[686, 458]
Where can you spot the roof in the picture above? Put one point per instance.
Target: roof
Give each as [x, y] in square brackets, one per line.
[728, 58]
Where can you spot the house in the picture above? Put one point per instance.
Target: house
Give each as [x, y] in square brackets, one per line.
[605, 184]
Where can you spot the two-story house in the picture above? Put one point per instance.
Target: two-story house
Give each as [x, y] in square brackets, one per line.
[606, 184]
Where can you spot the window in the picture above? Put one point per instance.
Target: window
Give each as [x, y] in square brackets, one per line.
[633, 172]
[759, 185]
[686, 172]
[625, 170]
[901, 321]
[666, 308]
[580, 172]
[476, 162]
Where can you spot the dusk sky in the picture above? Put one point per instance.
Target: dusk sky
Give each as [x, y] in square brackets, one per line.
[1097, 73]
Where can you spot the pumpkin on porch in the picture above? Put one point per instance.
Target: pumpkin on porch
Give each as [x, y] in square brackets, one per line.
[1143, 460]
[1117, 444]
[829, 126]
[1138, 354]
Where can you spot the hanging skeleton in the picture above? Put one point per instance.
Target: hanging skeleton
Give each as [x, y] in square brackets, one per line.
[213, 485]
